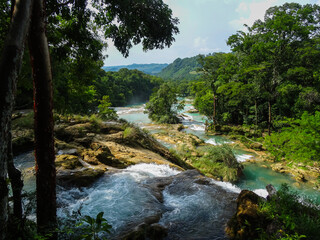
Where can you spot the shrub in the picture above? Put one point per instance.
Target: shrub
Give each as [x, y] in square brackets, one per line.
[295, 219]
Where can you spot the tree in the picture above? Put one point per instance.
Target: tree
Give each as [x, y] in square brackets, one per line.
[10, 64]
[163, 105]
[209, 68]
[43, 122]
[105, 111]
[152, 25]
[272, 45]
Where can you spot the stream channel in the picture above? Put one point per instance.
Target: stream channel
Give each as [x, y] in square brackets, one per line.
[189, 209]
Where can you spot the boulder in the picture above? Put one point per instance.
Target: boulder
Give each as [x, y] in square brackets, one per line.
[83, 177]
[22, 141]
[243, 225]
[99, 154]
[65, 161]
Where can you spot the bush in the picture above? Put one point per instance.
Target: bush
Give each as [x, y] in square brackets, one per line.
[295, 219]
[105, 112]
[218, 162]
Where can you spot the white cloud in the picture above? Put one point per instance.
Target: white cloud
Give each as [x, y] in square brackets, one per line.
[201, 46]
[250, 12]
[200, 42]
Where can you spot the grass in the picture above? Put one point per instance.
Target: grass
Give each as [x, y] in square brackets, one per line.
[217, 162]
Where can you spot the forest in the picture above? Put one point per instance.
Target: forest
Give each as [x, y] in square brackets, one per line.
[266, 91]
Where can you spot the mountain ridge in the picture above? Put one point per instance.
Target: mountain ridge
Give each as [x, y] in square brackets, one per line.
[149, 68]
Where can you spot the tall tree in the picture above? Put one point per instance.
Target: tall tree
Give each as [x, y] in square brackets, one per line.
[209, 67]
[43, 121]
[10, 64]
[151, 24]
[272, 45]
[163, 105]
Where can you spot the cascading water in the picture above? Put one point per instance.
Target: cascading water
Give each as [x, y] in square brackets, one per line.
[256, 177]
[189, 208]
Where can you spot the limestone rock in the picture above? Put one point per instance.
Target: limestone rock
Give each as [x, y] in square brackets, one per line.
[79, 177]
[66, 161]
[247, 219]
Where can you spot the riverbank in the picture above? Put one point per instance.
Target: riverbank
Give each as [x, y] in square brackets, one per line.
[251, 140]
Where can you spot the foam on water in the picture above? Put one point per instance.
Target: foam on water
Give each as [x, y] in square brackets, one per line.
[121, 196]
[212, 141]
[128, 110]
[152, 170]
[243, 157]
[197, 127]
[233, 188]
[197, 212]
[261, 192]
[227, 186]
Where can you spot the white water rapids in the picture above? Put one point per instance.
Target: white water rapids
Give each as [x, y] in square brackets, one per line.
[189, 210]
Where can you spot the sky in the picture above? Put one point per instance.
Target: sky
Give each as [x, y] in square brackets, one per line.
[205, 26]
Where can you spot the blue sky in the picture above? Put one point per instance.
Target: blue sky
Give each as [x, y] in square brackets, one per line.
[205, 25]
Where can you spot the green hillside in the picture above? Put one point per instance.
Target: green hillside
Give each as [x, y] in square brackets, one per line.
[152, 68]
[181, 69]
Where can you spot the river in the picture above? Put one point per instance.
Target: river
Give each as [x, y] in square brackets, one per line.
[256, 175]
[189, 209]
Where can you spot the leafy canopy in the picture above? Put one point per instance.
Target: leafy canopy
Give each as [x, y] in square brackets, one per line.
[163, 105]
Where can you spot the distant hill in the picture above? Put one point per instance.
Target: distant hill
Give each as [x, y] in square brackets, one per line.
[152, 68]
[181, 69]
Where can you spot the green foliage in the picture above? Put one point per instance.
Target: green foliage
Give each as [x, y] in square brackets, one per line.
[272, 72]
[299, 141]
[129, 132]
[105, 111]
[163, 105]
[126, 86]
[74, 32]
[217, 162]
[295, 219]
[92, 228]
[223, 154]
[180, 69]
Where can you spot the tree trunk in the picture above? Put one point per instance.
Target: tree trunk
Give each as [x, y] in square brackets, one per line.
[10, 65]
[16, 183]
[43, 116]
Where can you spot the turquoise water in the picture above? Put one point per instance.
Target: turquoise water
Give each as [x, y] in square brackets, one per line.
[256, 177]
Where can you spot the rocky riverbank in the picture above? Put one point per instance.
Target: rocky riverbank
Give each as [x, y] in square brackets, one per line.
[85, 149]
[301, 172]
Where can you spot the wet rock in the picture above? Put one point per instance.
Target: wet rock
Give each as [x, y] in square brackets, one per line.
[144, 231]
[279, 168]
[84, 141]
[68, 133]
[61, 145]
[22, 141]
[101, 155]
[79, 177]
[271, 191]
[66, 161]
[157, 185]
[243, 225]
[299, 176]
[256, 146]
[156, 231]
